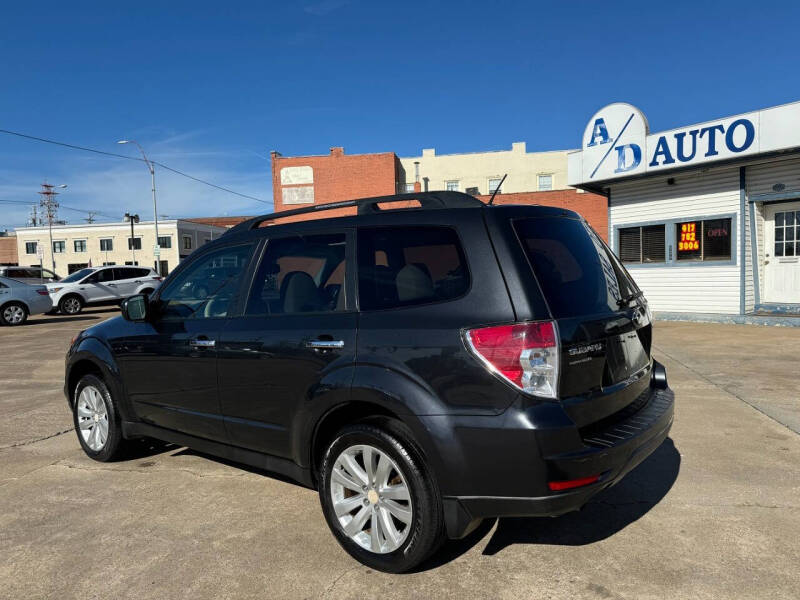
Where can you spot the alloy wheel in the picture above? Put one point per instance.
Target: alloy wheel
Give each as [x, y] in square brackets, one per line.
[92, 418]
[371, 499]
[72, 305]
[14, 314]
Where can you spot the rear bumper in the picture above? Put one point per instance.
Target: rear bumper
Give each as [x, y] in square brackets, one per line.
[40, 304]
[610, 453]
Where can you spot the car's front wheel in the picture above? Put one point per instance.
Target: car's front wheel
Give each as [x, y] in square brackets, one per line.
[380, 502]
[13, 313]
[70, 305]
[96, 420]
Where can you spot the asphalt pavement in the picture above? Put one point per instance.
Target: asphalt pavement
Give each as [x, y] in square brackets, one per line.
[713, 513]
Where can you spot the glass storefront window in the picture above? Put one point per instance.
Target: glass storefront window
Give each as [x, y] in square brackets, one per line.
[703, 240]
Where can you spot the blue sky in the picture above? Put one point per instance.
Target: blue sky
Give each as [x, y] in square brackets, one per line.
[211, 88]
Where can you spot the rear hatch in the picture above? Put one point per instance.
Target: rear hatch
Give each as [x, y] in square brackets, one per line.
[603, 321]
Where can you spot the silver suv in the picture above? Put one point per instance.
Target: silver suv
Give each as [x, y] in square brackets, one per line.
[101, 285]
[29, 275]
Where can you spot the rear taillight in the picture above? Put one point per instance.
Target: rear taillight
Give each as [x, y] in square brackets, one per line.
[558, 486]
[525, 354]
[43, 292]
[158, 278]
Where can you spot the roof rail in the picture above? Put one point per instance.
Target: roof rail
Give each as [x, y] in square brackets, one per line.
[367, 206]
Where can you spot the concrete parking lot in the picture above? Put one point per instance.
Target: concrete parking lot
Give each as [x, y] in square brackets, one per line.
[713, 513]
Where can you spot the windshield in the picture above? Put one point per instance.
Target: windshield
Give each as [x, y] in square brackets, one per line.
[77, 276]
[577, 272]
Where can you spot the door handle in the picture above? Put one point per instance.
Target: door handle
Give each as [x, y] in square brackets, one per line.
[112, 285]
[202, 343]
[325, 344]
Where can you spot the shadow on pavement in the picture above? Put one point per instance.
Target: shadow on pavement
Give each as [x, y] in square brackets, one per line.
[237, 465]
[50, 320]
[607, 513]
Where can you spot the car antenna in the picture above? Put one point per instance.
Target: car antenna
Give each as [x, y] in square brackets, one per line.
[497, 189]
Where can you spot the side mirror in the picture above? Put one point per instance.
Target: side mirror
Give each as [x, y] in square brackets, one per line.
[135, 308]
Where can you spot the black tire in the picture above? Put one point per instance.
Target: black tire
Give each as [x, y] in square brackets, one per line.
[427, 523]
[17, 318]
[115, 445]
[68, 307]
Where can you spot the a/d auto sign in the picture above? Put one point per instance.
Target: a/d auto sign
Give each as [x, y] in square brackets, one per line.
[617, 142]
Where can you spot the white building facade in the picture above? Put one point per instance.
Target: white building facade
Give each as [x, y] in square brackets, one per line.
[706, 217]
[77, 246]
[480, 172]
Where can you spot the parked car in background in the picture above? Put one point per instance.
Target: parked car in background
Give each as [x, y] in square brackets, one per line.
[101, 285]
[423, 368]
[18, 300]
[34, 275]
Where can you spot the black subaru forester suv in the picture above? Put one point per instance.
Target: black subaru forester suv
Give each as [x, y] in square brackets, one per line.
[423, 367]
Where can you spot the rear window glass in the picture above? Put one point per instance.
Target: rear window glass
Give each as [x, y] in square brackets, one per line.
[577, 272]
[404, 266]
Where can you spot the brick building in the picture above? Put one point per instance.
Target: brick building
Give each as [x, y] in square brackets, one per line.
[301, 181]
[593, 207]
[8, 249]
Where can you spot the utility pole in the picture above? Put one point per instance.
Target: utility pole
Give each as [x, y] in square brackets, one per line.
[132, 219]
[151, 168]
[90, 218]
[49, 206]
[33, 221]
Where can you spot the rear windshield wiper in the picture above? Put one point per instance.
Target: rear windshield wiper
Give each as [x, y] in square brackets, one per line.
[625, 300]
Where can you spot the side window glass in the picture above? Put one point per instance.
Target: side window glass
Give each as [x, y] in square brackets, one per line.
[404, 266]
[101, 276]
[206, 287]
[300, 275]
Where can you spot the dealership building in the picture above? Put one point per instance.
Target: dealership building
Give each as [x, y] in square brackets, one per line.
[705, 217]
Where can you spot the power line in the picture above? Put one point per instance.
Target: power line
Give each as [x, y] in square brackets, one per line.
[115, 155]
[219, 187]
[73, 146]
[80, 210]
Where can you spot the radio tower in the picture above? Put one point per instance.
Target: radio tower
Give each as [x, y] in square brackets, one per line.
[49, 206]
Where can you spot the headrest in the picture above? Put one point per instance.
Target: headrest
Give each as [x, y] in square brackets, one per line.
[413, 284]
[299, 293]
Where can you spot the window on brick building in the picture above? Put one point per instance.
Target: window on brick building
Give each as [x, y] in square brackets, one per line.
[451, 186]
[494, 183]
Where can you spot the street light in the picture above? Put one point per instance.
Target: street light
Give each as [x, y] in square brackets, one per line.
[132, 219]
[152, 170]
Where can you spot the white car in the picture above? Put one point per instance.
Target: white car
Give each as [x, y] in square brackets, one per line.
[101, 285]
[18, 300]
